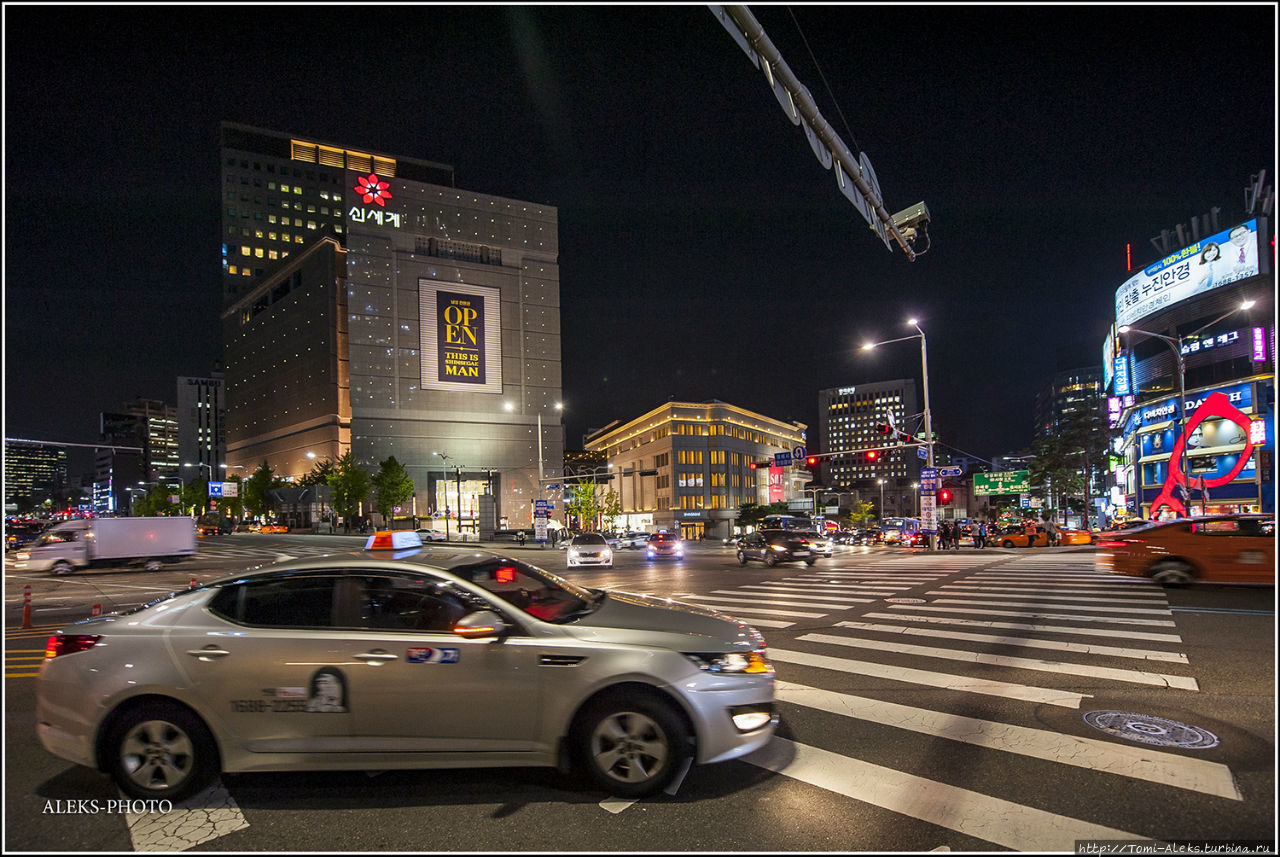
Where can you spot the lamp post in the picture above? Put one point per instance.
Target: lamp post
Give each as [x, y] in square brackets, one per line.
[1180, 363]
[881, 509]
[928, 419]
[444, 471]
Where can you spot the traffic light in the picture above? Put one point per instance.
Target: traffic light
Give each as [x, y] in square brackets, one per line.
[873, 455]
[811, 462]
[760, 465]
[944, 497]
[885, 428]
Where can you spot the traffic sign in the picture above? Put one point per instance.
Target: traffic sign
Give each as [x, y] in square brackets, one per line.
[781, 459]
[950, 471]
[1002, 482]
[553, 487]
[921, 452]
[928, 472]
[798, 453]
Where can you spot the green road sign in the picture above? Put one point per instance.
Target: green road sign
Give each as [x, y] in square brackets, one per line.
[1004, 482]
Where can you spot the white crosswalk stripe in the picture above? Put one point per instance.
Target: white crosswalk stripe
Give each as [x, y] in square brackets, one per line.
[1030, 632]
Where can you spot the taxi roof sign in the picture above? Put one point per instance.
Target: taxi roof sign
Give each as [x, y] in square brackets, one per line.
[393, 540]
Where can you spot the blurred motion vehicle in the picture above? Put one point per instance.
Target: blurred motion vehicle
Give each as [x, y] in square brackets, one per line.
[86, 542]
[633, 540]
[329, 663]
[662, 545]
[1013, 536]
[895, 531]
[820, 544]
[1214, 549]
[273, 528]
[429, 535]
[868, 536]
[1075, 537]
[588, 549]
[213, 524]
[774, 546]
[19, 533]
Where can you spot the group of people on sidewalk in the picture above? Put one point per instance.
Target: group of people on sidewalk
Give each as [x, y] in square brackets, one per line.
[950, 533]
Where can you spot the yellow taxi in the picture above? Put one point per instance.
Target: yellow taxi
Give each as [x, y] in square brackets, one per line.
[1214, 548]
[274, 528]
[1016, 537]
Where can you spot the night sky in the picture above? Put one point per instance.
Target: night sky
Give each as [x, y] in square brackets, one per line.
[704, 251]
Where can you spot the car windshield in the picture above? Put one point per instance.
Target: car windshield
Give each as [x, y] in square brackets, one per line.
[661, 537]
[539, 593]
[589, 539]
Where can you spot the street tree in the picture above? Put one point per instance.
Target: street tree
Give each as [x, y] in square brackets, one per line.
[860, 515]
[319, 474]
[584, 504]
[393, 486]
[350, 484]
[610, 508]
[257, 488]
[158, 501]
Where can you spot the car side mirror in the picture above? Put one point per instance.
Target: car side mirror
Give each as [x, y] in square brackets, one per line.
[480, 624]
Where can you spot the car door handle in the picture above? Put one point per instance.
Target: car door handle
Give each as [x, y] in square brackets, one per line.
[208, 653]
[377, 657]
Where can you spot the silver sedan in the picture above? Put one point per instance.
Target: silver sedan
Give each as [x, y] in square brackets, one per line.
[401, 656]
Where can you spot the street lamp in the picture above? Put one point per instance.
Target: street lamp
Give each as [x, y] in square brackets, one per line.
[928, 420]
[444, 471]
[1176, 345]
[881, 509]
[202, 464]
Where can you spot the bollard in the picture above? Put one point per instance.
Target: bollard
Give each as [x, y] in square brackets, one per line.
[192, 584]
[96, 611]
[26, 606]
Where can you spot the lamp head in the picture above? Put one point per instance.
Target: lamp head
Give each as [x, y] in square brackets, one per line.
[868, 346]
[1124, 328]
[1247, 304]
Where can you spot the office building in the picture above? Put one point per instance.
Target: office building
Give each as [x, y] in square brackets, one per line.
[202, 418]
[403, 316]
[33, 473]
[850, 428]
[686, 467]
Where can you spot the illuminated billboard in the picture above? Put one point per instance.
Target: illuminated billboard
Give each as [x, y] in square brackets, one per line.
[461, 337]
[1226, 257]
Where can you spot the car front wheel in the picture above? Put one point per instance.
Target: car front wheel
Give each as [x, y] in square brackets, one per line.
[742, 558]
[632, 748]
[161, 752]
[1006, 544]
[770, 560]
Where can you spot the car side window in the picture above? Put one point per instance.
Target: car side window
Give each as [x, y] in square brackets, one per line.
[1220, 528]
[290, 602]
[405, 604]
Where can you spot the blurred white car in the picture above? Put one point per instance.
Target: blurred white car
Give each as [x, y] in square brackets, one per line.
[589, 549]
[430, 535]
[633, 540]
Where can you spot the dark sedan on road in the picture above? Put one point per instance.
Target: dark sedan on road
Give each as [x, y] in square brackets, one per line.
[774, 546]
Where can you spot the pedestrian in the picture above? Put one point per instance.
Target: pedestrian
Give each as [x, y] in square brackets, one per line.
[520, 537]
[956, 532]
[551, 536]
[1051, 530]
[1030, 529]
[944, 534]
[980, 536]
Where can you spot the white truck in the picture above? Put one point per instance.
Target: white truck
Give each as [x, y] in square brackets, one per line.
[86, 542]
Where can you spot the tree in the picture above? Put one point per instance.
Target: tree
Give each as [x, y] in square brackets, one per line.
[233, 506]
[350, 484]
[156, 502]
[257, 499]
[319, 474]
[393, 485]
[860, 515]
[610, 508]
[195, 496]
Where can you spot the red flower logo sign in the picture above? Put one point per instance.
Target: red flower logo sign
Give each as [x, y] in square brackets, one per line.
[373, 189]
[1216, 405]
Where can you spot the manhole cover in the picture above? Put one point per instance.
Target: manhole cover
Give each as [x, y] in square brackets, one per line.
[1146, 729]
[906, 600]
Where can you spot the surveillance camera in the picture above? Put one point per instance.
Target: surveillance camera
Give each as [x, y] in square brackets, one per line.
[912, 219]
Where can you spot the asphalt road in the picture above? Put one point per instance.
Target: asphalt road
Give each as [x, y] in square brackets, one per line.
[929, 701]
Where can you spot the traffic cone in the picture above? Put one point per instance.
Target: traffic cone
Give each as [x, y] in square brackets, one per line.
[96, 611]
[192, 584]
[26, 606]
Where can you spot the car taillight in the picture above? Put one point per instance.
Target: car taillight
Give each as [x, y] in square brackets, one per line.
[68, 644]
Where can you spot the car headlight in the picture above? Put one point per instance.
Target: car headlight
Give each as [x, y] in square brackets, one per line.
[608, 554]
[778, 547]
[24, 555]
[748, 663]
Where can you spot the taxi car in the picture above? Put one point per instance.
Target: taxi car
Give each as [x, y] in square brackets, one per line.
[774, 546]
[1015, 537]
[403, 656]
[588, 549]
[1214, 548]
[273, 528]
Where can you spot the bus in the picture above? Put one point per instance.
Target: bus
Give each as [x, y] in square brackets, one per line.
[787, 522]
[900, 531]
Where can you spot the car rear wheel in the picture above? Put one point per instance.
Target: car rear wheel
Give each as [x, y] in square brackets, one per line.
[152, 564]
[742, 558]
[1172, 572]
[63, 567]
[632, 748]
[161, 752]
[1006, 544]
[810, 561]
[770, 559]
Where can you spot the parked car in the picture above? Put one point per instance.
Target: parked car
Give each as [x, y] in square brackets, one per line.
[774, 546]
[588, 549]
[325, 663]
[1215, 549]
[664, 545]
[430, 535]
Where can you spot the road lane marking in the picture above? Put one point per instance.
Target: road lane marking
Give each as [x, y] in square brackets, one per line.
[825, 589]
[1136, 762]
[1022, 588]
[1036, 614]
[1038, 597]
[744, 607]
[1163, 611]
[766, 598]
[1030, 626]
[990, 819]
[945, 681]
[1060, 667]
[1024, 642]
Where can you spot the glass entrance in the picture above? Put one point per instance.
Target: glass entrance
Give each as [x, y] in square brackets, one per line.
[690, 532]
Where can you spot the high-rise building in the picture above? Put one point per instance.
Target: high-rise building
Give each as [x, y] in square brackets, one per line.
[387, 312]
[1067, 395]
[687, 466]
[849, 425]
[152, 426]
[202, 418]
[33, 472]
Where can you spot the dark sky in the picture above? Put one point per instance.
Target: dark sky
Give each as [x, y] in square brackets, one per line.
[704, 252]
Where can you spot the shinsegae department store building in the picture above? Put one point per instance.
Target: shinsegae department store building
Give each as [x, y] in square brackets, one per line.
[371, 305]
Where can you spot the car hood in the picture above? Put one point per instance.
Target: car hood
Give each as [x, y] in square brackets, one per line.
[625, 617]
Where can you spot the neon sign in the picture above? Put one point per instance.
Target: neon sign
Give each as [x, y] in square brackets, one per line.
[373, 189]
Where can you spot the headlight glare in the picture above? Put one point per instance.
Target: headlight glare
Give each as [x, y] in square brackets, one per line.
[748, 663]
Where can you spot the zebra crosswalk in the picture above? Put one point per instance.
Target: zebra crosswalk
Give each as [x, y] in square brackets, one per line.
[1027, 634]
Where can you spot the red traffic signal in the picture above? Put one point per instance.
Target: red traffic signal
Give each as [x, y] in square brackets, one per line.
[944, 497]
[811, 461]
[873, 455]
